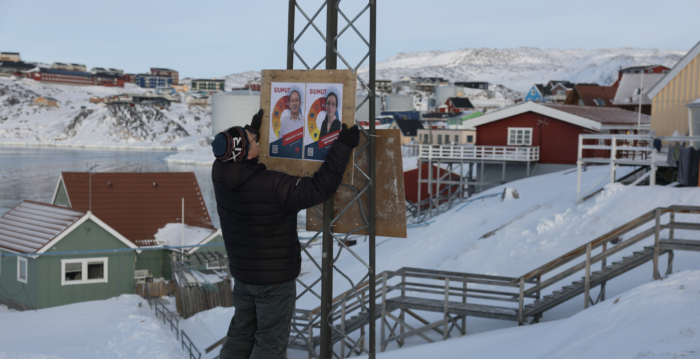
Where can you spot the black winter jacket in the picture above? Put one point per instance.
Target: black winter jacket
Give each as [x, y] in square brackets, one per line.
[258, 212]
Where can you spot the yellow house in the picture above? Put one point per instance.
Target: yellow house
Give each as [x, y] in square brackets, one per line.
[672, 94]
[46, 102]
[181, 88]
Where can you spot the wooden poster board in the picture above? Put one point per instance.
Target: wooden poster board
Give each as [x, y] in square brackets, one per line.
[302, 168]
[390, 193]
[390, 197]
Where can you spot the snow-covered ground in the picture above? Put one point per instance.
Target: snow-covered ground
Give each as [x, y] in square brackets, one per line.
[651, 319]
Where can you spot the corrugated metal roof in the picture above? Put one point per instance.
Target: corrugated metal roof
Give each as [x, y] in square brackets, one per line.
[604, 115]
[137, 204]
[627, 90]
[31, 225]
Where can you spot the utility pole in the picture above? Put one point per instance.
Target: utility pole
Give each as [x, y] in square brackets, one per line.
[327, 257]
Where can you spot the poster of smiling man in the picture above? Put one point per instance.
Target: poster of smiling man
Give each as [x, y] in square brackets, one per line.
[286, 120]
[324, 113]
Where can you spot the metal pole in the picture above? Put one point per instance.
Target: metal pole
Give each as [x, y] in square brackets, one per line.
[290, 34]
[372, 177]
[327, 259]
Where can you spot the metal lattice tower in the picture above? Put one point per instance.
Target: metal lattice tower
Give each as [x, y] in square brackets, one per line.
[330, 331]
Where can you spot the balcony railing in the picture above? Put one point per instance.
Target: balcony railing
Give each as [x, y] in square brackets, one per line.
[486, 153]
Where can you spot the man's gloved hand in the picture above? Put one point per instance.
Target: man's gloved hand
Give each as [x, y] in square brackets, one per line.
[350, 137]
[254, 127]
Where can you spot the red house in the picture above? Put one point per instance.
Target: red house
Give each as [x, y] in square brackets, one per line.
[410, 180]
[457, 105]
[554, 128]
[650, 69]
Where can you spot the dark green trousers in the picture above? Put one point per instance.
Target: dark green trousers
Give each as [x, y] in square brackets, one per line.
[262, 321]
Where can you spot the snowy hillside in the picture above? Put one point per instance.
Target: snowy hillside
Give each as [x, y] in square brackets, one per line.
[522, 67]
[96, 124]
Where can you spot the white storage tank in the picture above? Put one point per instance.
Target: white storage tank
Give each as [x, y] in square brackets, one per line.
[442, 93]
[362, 114]
[399, 103]
[234, 108]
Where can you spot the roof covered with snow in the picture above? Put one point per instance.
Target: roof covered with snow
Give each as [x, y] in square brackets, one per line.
[31, 225]
[137, 205]
[171, 235]
[629, 86]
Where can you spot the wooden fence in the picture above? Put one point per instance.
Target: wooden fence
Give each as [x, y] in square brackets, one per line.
[152, 290]
[193, 299]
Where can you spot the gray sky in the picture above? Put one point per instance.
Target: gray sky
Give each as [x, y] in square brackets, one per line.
[215, 38]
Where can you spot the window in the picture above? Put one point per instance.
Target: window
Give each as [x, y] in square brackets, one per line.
[456, 138]
[532, 92]
[84, 270]
[561, 92]
[439, 139]
[580, 102]
[22, 270]
[599, 102]
[470, 139]
[519, 136]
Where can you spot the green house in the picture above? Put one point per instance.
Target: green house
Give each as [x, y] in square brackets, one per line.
[52, 255]
[146, 208]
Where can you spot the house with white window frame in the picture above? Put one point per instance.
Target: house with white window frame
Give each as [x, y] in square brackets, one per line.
[52, 255]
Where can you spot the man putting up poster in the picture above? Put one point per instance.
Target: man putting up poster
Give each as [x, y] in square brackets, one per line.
[324, 114]
[286, 120]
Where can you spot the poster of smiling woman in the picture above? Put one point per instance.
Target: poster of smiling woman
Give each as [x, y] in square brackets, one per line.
[286, 120]
[323, 117]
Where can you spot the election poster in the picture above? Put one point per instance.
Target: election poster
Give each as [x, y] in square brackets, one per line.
[324, 113]
[286, 120]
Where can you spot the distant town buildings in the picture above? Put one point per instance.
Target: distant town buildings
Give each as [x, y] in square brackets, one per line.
[9, 56]
[383, 86]
[153, 81]
[167, 72]
[46, 102]
[9, 68]
[67, 77]
[207, 85]
[68, 67]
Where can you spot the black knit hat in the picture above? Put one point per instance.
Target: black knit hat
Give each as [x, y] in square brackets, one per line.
[231, 145]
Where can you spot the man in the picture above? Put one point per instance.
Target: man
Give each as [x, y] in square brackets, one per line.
[294, 120]
[258, 212]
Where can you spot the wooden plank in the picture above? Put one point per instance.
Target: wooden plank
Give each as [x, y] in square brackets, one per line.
[437, 305]
[456, 275]
[478, 281]
[410, 285]
[390, 191]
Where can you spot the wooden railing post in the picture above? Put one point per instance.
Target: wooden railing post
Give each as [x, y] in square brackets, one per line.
[587, 284]
[521, 301]
[446, 313]
[464, 300]
[671, 221]
[613, 156]
[603, 264]
[657, 233]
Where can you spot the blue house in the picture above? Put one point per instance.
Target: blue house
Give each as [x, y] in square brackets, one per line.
[536, 93]
[153, 81]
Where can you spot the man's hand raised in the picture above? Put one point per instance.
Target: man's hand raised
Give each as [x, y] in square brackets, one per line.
[350, 137]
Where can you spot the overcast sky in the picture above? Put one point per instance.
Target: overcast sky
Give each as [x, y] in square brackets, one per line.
[210, 38]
